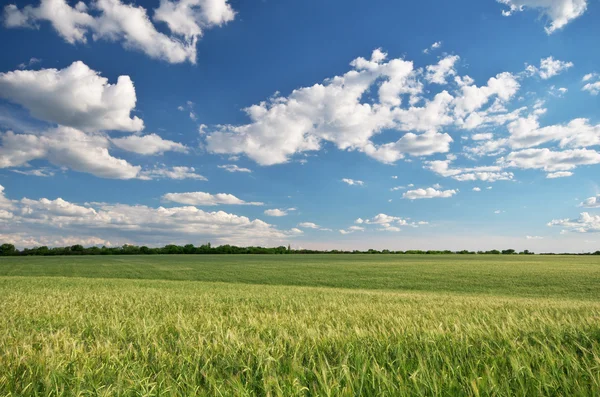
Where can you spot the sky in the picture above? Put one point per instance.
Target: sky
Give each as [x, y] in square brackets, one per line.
[319, 124]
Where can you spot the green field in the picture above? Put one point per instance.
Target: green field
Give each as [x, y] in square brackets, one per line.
[300, 325]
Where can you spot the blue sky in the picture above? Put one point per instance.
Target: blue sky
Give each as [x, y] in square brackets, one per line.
[320, 124]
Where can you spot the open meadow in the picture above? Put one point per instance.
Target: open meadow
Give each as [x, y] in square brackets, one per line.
[289, 325]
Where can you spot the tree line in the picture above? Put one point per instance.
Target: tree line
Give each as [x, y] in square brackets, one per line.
[190, 249]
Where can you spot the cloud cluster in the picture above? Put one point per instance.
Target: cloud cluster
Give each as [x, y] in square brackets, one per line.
[592, 202]
[234, 168]
[36, 222]
[148, 144]
[206, 199]
[559, 12]
[586, 223]
[549, 67]
[85, 107]
[428, 193]
[75, 96]
[375, 95]
[352, 182]
[383, 222]
[277, 212]
[113, 20]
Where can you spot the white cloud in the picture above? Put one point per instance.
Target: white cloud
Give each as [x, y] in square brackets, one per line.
[334, 111]
[437, 74]
[129, 24]
[384, 222]
[394, 177]
[39, 222]
[503, 86]
[276, 212]
[592, 88]
[233, 168]
[526, 132]
[312, 225]
[559, 174]
[41, 172]
[66, 147]
[375, 95]
[589, 76]
[484, 136]
[476, 189]
[428, 193]
[586, 223]
[353, 182]
[549, 67]
[434, 46]
[5, 203]
[592, 202]
[416, 145]
[352, 229]
[559, 12]
[148, 144]
[533, 237]
[482, 173]
[206, 199]
[309, 225]
[76, 96]
[552, 161]
[177, 172]
[32, 61]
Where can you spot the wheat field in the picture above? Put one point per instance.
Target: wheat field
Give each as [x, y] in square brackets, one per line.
[300, 326]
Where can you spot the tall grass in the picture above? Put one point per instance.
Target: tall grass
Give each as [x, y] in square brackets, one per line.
[76, 336]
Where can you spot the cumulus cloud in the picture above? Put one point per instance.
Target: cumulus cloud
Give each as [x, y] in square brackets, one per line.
[526, 132]
[483, 136]
[559, 174]
[384, 222]
[558, 12]
[593, 87]
[552, 161]
[5, 203]
[376, 95]
[353, 182]
[312, 225]
[352, 229]
[75, 96]
[434, 46]
[592, 202]
[148, 144]
[586, 223]
[476, 189]
[491, 173]
[129, 24]
[234, 168]
[278, 212]
[428, 193]
[334, 111]
[66, 147]
[549, 67]
[39, 222]
[206, 199]
[438, 74]
[176, 172]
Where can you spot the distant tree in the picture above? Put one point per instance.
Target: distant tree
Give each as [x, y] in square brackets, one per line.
[7, 249]
[508, 252]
